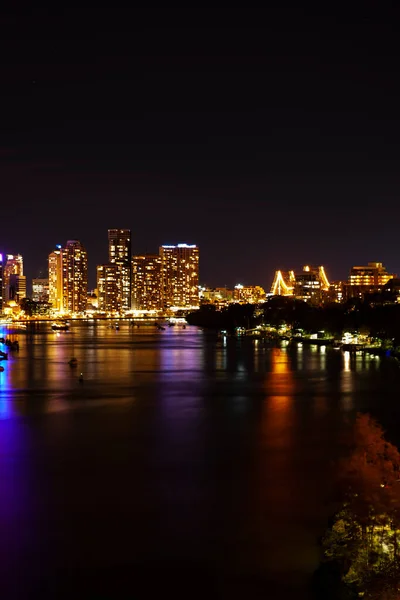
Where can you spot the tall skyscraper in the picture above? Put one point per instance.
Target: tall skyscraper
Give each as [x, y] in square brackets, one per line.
[13, 266]
[17, 288]
[180, 275]
[146, 282]
[56, 279]
[74, 277]
[119, 253]
[107, 288]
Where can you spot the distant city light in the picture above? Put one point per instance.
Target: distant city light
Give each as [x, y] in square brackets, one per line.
[179, 246]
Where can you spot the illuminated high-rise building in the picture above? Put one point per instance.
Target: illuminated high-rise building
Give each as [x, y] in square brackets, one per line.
[309, 284]
[180, 275]
[40, 289]
[283, 283]
[146, 282]
[107, 288]
[16, 288]
[56, 280]
[119, 253]
[13, 266]
[374, 274]
[74, 277]
[367, 279]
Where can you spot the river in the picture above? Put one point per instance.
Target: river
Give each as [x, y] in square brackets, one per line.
[183, 464]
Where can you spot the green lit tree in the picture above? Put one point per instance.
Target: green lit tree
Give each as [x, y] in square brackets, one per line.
[364, 537]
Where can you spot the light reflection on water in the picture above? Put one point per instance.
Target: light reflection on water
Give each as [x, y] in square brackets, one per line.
[127, 359]
[191, 444]
[5, 394]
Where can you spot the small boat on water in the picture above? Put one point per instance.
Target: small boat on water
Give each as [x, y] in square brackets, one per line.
[60, 326]
[73, 362]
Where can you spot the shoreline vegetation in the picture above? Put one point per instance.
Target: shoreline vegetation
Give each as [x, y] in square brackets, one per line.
[365, 323]
[360, 550]
[361, 547]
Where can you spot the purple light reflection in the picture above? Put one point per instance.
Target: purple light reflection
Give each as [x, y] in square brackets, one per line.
[180, 380]
[6, 410]
[19, 495]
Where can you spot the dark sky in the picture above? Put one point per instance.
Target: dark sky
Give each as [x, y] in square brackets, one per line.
[269, 139]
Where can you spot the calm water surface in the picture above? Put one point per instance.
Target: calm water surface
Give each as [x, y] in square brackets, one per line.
[182, 463]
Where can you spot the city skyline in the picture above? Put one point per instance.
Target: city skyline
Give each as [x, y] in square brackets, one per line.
[211, 282]
[168, 279]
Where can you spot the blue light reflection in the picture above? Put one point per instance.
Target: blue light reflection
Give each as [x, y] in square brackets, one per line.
[5, 392]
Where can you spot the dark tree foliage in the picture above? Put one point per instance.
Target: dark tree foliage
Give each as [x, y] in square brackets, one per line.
[376, 319]
[235, 315]
[361, 548]
[30, 307]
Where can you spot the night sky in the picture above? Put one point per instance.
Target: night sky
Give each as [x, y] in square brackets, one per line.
[270, 140]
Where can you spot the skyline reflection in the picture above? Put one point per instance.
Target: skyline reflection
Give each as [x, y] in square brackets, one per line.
[191, 448]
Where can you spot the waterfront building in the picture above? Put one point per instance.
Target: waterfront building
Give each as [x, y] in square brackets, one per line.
[147, 282]
[310, 284]
[283, 283]
[14, 266]
[40, 289]
[56, 279]
[336, 292]
[367, 279]
[74, 277]
[180, 276]
[248, 294]
[108, 298]
[16, 288]
[225, 293]
[307, 287]
[119, 253]
[92, 300]
[220, 296]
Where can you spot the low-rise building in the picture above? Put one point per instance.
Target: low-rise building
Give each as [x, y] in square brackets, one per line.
[248, 294]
